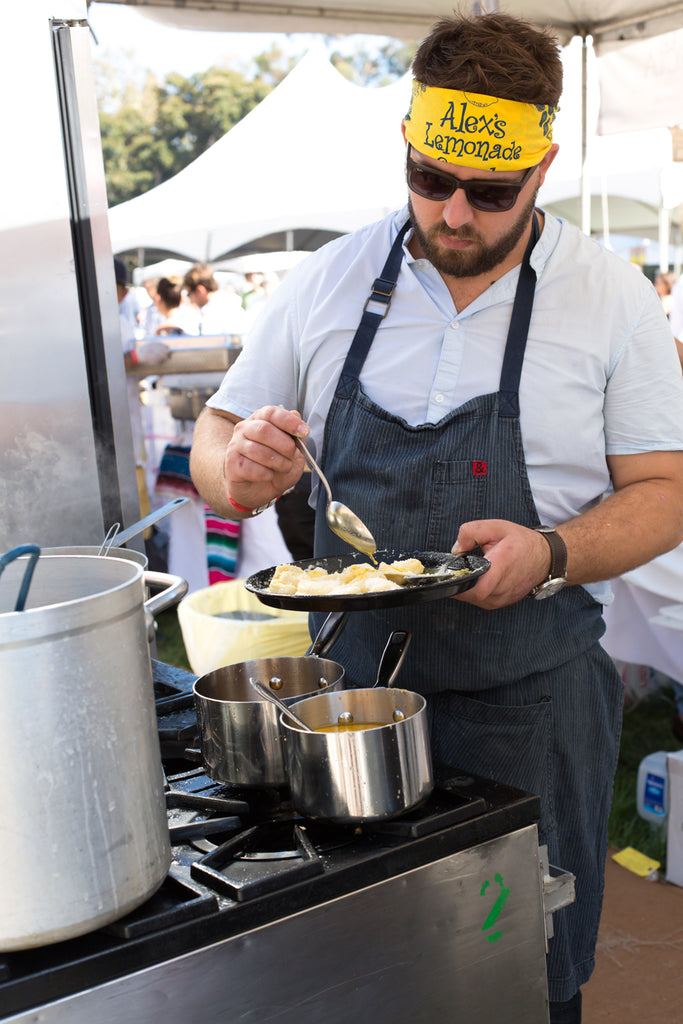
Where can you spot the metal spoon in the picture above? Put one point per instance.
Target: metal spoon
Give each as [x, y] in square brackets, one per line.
[269, 695]
[340, 519]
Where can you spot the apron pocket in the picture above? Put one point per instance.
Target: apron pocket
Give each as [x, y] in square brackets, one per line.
[457, 495]
[508, 744]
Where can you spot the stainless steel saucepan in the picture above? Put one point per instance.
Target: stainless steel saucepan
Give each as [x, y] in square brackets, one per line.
[375, 762]
[239, 735]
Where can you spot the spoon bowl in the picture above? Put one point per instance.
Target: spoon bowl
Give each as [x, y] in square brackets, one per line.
[340, 519]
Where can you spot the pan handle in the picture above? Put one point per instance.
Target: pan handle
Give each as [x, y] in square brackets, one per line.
[33, 551]
[175, 589]
[328, 634]
[392, 657]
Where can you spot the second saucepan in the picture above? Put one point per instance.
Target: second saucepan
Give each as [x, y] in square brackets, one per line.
[239, 735]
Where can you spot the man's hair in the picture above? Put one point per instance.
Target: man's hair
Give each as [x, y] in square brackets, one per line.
[169, 290]
[200, 273]
[492, 54]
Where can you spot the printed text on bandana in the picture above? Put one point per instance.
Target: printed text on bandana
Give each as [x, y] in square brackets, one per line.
[460, 127]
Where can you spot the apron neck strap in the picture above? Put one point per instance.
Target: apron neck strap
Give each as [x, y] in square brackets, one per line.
[381, 292]
[518, 330]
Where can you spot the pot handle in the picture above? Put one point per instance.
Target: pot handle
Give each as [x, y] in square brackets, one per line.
[392, 657]
[33, 551]
[328, 634]
[176, 588]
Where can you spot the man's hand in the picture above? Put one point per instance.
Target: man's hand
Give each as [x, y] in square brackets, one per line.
[261, 460]
[252, 460]
[519, 557]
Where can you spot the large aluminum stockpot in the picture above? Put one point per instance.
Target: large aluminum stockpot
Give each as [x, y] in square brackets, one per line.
[239, 734]
[84, 838]
[369, 774]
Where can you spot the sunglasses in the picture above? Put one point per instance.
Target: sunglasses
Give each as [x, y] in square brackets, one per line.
[487, 196]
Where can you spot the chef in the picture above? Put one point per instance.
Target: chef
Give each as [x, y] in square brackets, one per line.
[475, 374]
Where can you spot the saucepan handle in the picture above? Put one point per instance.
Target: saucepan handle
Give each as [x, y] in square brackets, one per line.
[392, 657]
[33, 551]
[328, 634]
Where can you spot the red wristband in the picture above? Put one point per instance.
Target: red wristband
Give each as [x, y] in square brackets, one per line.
[252, 511]
[236, 505]
[134, 357]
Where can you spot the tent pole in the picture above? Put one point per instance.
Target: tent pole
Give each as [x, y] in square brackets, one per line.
[585, 176]
[663, 240]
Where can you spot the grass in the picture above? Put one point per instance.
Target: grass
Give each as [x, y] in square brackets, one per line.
[646, 728]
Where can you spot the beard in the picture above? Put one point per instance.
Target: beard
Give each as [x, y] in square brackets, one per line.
[480, 258]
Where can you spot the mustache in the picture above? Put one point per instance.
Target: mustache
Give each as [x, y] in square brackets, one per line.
[463, 234]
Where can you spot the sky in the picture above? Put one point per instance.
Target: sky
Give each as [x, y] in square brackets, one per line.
[120, 29]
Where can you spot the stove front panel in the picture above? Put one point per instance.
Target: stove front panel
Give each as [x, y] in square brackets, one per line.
[461, 938]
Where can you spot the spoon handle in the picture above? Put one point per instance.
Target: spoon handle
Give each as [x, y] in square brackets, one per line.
[269, 695]
[313, 464]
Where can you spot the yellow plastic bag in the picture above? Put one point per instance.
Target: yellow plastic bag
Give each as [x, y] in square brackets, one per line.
[225, 623]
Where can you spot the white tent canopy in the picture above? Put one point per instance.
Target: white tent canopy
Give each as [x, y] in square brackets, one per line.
[609, 22]
[317, 156]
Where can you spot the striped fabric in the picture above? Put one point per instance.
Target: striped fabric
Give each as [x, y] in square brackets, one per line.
[174, 480]
[222, 539]
[222, 535]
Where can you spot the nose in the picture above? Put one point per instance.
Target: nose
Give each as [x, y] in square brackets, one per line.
[456, 210]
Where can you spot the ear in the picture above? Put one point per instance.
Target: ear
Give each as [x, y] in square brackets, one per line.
[403, 132]
[547, 161]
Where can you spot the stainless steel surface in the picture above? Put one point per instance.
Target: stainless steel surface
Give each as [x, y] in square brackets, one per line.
[208, 359]
[364, 775]
[415, 949]
[340, 519]
[267, 694]
[86, 841]
[240, 737]
[60, 479]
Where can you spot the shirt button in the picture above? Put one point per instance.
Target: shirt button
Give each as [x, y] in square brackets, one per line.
[438, 398]
[455, 325]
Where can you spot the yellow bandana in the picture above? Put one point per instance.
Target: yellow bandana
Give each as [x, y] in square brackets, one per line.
[478, 131]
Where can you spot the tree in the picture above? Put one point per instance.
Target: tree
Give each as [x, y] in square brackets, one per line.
[150, 133]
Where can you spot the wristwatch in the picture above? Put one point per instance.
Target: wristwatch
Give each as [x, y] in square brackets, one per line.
[557, 577]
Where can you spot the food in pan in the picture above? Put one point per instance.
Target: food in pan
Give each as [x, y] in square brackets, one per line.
[360, 578]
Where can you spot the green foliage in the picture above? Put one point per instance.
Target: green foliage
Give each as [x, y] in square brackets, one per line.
[150, 133]
[152, 129]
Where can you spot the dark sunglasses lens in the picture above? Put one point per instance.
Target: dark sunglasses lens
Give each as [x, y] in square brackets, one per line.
[492, 198]
[429, 185]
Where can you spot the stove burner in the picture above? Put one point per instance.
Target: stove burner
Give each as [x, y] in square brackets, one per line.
[241, 869]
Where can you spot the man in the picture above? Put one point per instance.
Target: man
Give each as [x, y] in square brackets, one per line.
[220, 312]
[516, 376]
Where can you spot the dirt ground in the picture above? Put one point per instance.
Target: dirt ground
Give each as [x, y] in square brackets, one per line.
[638, 978]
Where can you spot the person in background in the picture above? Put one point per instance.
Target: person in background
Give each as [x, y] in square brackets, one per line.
[151, 353]
[676, 315]
[663, 285]
[465, 384]
[220, 311]
[175, 315]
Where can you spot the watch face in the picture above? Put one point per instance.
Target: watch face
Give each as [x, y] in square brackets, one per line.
[549, 588]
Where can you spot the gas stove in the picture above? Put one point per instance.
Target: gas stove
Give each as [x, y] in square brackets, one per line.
[266, 916]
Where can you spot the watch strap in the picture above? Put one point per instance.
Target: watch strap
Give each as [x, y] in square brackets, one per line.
[558, 552]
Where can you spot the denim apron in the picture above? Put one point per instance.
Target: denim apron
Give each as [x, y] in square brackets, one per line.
[525, 694]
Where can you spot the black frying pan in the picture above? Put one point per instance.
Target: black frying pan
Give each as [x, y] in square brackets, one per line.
[429, 591]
